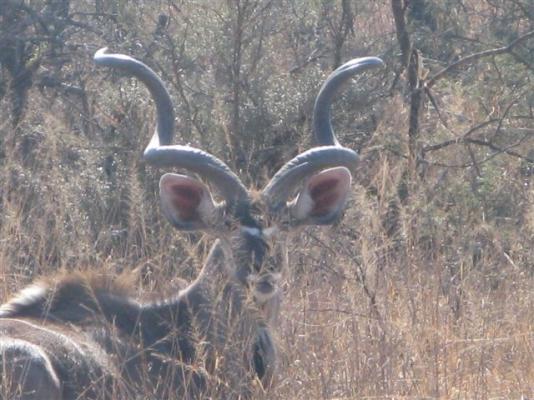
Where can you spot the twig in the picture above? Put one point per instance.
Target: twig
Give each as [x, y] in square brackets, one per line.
[476, 56]
[436, 107]
[463, 138]
[492, 146]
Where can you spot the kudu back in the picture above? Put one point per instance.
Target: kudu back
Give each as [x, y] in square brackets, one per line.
[84, 336]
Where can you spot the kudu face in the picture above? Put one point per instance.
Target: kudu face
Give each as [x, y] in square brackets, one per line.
[240, 278]
[247, 228]
[253, 236]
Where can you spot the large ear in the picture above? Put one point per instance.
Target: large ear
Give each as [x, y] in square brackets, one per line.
[186, 202]
[323, 197]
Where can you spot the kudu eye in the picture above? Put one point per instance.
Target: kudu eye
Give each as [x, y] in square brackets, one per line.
[73, 337]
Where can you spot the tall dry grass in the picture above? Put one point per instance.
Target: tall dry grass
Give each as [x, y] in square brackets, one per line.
[429, 295]
[391, 303]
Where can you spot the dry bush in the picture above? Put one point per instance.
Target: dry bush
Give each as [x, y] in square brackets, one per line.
[426, 295]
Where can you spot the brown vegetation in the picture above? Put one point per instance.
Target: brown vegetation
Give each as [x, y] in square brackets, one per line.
[424, 290]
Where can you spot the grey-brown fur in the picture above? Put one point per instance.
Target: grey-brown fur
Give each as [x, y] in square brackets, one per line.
[180, 338]
[29, 363]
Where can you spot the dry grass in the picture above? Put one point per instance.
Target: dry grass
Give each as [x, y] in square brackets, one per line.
[368, 317]
[425, 297]
[367, 314]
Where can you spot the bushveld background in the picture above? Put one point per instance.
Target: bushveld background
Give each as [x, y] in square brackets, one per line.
[426, 287]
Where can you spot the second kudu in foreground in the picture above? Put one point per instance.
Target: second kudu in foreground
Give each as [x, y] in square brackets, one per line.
[80, 336]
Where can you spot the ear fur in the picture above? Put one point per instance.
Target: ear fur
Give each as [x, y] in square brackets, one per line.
[186, 202]
[323, 197]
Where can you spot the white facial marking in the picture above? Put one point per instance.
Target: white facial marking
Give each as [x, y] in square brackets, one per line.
[267, 232]
[251, 231]
[270, 231]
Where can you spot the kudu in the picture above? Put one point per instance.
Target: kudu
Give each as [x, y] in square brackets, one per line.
[81, 336]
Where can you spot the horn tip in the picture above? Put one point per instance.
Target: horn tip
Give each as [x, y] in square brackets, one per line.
[357, 64]
[100, 53]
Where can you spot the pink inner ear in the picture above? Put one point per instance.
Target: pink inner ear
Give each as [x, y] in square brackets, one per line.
[185, 198]
[325, 193]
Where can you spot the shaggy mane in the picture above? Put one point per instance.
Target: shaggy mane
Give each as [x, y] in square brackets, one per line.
[72, 296]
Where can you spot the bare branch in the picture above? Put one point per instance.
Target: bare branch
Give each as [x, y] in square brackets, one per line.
[436, 107]
[476, 56]
[505, 150]
[399, 7]
[497, 150]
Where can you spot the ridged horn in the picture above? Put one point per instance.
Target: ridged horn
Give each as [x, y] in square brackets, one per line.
[329, 153]
[159, 151]
[322, 125]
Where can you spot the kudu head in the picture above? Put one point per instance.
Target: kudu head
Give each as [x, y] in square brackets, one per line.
[310, 189]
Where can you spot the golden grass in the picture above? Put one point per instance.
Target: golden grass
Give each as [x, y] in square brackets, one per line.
[424, 298]
[365, 315]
